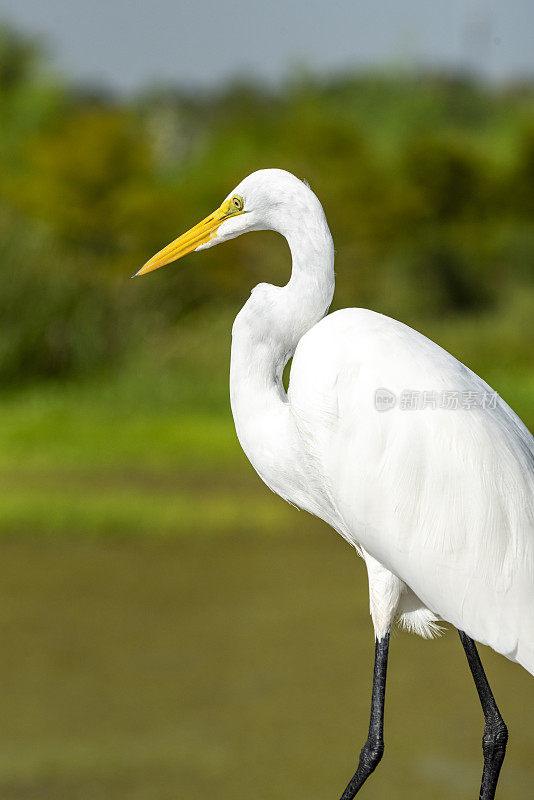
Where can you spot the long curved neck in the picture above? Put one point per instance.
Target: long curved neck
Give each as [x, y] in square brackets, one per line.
[264, 337]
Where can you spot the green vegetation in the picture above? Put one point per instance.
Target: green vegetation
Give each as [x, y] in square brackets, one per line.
[171, 628]
[427, 183]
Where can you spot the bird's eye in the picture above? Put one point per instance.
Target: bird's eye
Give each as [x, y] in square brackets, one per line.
[237, 202]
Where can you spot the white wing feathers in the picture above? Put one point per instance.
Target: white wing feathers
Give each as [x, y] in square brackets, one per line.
[443, 498]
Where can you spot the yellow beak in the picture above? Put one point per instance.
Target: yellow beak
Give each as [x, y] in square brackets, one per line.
[200, 234]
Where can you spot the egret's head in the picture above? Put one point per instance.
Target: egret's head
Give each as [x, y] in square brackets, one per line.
[269, 199]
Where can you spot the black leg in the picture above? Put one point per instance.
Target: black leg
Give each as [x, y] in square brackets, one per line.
[374, 746]
[495, 731]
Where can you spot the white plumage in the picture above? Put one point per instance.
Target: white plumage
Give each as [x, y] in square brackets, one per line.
[442, 499]
[439, 501]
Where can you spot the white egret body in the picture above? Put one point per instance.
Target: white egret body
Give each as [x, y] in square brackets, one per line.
[439, 501]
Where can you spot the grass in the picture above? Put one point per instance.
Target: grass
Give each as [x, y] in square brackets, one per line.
[85, 469]
[77, 459]
[151, 450]
[145, 504]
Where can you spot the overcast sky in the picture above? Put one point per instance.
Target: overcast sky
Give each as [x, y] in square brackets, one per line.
[130, 43]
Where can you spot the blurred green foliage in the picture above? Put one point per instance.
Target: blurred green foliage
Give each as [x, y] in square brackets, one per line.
[427, 182]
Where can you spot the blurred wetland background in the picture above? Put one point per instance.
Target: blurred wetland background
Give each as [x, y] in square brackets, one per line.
[169, 628]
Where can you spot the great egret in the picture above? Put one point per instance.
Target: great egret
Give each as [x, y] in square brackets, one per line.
[398, 446]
